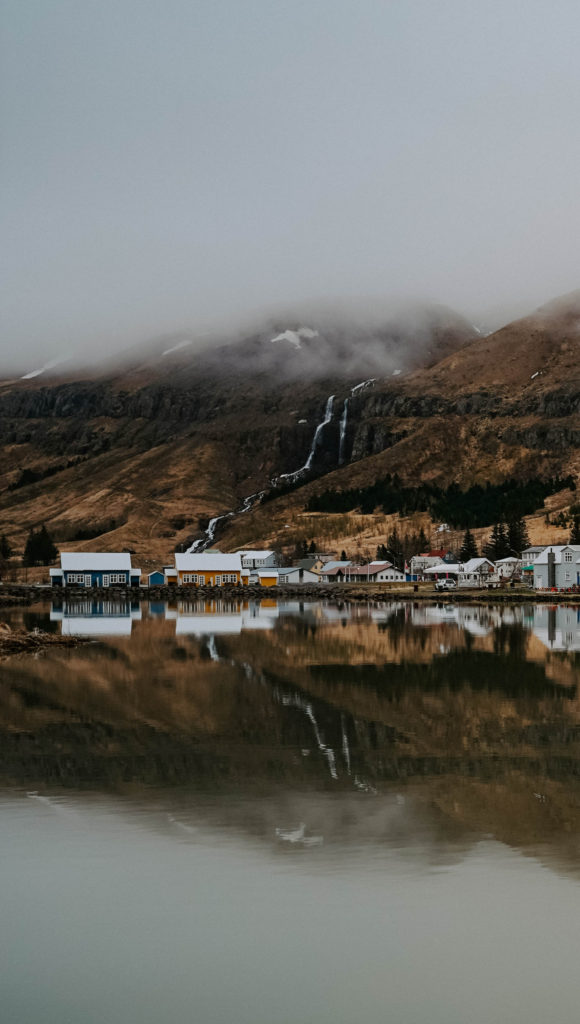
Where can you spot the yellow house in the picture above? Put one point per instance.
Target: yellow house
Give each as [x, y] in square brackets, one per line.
[209, 570]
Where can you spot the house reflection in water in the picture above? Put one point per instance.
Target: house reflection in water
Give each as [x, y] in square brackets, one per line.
[110, 617]
[558, 627]
[204, 618]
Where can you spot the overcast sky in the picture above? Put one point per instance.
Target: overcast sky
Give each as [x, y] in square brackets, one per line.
[167, 165]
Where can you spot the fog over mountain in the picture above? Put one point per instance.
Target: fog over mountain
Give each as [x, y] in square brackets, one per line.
[176, 169]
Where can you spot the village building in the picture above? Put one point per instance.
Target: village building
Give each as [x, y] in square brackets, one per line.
[268, 577]
[418, 563]
[95, 569]
[297, 574]
[209, 569]
[333, 572]
[157, 578]
[476, 572]
[530, 554]
[557, 567]
[509, 568]
[374, 572]
[253, 560]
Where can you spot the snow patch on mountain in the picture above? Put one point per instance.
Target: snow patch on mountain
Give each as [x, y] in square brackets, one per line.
[295, 337]
[47, 366]
[177, 348]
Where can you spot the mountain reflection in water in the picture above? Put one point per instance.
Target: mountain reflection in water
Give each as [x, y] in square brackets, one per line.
[309, 723]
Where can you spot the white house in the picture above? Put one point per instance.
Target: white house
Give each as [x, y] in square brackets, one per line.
[530, 554]
[477, 572]
[557, 567]
[258, 559]
[295, 574]
[509, 568]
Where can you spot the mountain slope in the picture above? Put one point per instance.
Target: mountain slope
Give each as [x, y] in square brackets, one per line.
[141, 455]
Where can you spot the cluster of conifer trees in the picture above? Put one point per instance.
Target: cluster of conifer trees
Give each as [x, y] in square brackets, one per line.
[479, 505]
[40, 548]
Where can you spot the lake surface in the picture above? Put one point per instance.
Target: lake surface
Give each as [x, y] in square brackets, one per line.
[291, 812]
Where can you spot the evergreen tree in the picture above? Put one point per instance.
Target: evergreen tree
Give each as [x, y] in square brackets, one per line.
[312, 548]
[47, 550]
[5, 548]
[40, 549]
[423, 543]
[29, 557]
[575, 531]
[343, 556]
[394, 547]
[468, 547]
[382, 553]
[497, 547]
[517, 535]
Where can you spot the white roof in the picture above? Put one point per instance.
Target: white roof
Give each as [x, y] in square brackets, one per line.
[207, 562]
[558, 550]
[475, 563]
[511, 558]
[332, 564]
[445, 567]
[91, 561]
[268, 572]
[254, 554]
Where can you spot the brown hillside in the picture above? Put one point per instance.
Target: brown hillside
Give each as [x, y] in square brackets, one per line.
[140, 457]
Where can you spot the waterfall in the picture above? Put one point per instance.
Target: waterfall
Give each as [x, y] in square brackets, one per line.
[205, 541]
[343, 420]
[291, 477]
[252, 499]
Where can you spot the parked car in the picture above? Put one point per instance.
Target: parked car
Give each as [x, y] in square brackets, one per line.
[445, 585]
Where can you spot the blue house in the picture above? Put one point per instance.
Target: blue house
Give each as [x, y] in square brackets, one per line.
[92, 569]
[157, 578]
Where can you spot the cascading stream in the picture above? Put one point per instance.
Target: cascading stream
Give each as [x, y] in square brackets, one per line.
[343, 422]
[291, 477]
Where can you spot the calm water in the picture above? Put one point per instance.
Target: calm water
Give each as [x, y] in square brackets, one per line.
[291, 813]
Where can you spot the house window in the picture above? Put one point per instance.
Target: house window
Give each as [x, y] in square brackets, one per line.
[567, 556]
[218, 581]
[76, 577]
[114, 577]
[189, 577]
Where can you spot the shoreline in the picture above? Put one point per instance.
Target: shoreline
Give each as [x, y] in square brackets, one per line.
[14, 642]
[23, 594]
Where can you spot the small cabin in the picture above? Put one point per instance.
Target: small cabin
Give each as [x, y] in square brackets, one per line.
[268, 578]
[156, 578]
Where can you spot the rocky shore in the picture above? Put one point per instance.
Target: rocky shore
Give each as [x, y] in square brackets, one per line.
[13, 641]
[15, 594]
